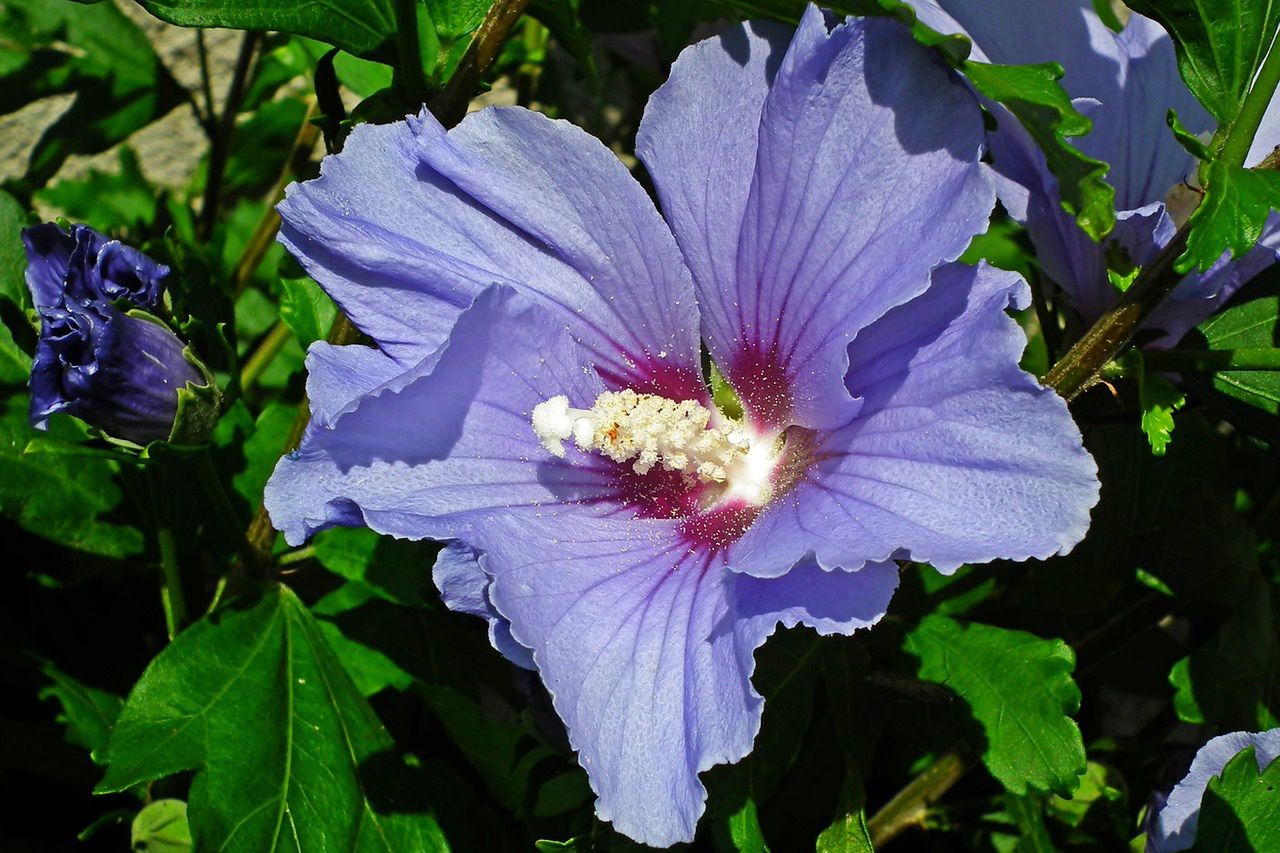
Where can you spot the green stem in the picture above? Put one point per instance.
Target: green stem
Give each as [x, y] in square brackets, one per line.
[230, 521]
[1212, 361]
[260, 359]
[1080, 368]
[217, 595]
[301, 555]
[409, 76]
[909, 807]
[451, 104]
[171, 595]
[1240, 137]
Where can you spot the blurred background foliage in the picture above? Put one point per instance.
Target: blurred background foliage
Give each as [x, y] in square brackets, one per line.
[1047, 700]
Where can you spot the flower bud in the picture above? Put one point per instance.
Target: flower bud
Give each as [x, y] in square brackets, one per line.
[82, 265]
[123, 373]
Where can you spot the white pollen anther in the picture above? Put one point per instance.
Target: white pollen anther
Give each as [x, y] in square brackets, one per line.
[655, 431]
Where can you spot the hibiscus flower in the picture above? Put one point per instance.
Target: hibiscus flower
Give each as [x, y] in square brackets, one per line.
[537, 396]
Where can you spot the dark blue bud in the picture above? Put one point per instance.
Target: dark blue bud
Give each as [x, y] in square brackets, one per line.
[119, 372]
[82, 265]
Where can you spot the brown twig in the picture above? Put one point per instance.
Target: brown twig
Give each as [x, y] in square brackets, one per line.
[220, 145]
[1082, 366]
[207, 117]
[451, 104]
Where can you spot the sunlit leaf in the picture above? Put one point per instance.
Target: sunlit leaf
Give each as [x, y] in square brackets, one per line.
[1220, 45]
[318, 771]
[360, 26]
[61, 498]
[1019, 689]
[96, 53]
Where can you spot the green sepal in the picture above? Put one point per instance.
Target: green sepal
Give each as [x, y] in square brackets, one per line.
[199, 407]
[1192, 143]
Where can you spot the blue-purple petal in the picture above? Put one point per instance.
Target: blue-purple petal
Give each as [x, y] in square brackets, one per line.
[409, 224]
[866, 177]
[464, 587]
[957, 456]
[118, 372]
[121, 272]
[635, 640]
[1129, 127]
[698, 140]
[448, 442]
[1200, 295]
[82, 265]
[831, 601]
[338, 376]
[49, 251]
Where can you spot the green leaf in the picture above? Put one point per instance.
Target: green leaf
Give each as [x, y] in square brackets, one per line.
[371, 667]
[60, 497]
[109, 201]
[15, 365]
[262, 142]
[454, 18]
[1034, 96]
[1159, 399]
[92, 51]
[161, 827]
[844, 677]
[1250, 320]
[87, 713]
[13, 258]
[502, 752]
[1231, 216]
[395, 569]
[318, 772]
[1240, 812]
[1234, 679]
[262, 450]
[1220, 46]
[1134, 522]
[306, 309]
[848, 833]
[1101, 789]
[744, 830]
[359, 26]
[1019, 689]
[787, 670]
[1027, 812]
